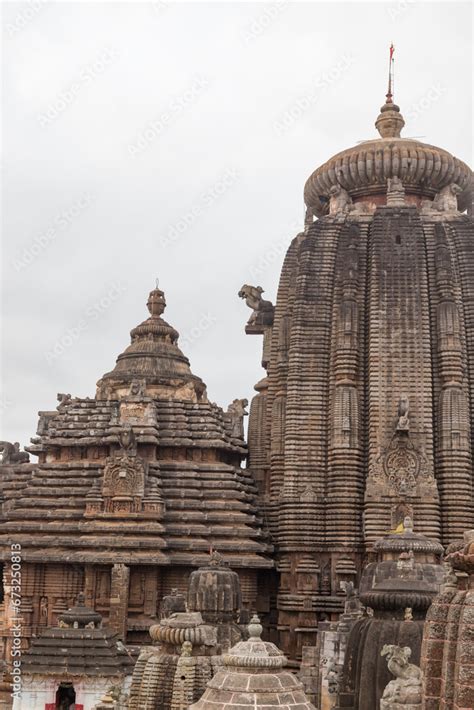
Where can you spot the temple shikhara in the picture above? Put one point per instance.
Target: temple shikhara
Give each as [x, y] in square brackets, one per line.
[323, 560]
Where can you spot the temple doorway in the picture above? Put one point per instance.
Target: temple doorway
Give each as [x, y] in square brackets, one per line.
[65, 697]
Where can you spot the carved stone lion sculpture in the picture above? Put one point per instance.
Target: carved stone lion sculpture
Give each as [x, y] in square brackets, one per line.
[406, 690]
[445, 201]
[340, 202]
[236, 413]
[11, 453]
[63, 399]
[261, 309]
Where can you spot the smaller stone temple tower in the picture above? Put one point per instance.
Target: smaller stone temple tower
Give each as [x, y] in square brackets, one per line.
[252, 677]
[189, 643]
[398, 588]
[73, 664]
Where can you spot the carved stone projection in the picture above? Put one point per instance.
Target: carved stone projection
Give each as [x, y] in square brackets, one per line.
[11, 453]
[395, 192]
[404, 693]
[131, 490]
[235, 415]
[369, 398]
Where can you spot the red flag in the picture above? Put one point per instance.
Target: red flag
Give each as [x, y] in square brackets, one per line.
[392, 49]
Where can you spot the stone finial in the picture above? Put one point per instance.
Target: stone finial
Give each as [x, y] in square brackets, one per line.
[156, 303]
[63, 399]
[255, 628]
[217, 560]
[390, 121]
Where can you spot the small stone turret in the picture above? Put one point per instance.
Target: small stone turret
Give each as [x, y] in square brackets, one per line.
[189, 643]
[253, 676]
[398, 589]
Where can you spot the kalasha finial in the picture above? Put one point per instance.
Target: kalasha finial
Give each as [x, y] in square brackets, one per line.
[156, 303]
[390, 121]
[255, 628]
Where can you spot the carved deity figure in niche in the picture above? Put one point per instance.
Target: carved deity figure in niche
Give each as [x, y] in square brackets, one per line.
[236, 413]
[43, 611]
[123, 486]
[403, 424]
[262, 311]
[340, 201]
[406, 689]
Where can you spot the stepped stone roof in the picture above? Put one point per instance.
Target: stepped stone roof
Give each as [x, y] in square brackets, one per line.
[151, 419]
[79, 647]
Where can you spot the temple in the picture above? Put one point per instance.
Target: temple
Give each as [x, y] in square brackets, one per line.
[358, 477]
[131, 490]
[366, 413]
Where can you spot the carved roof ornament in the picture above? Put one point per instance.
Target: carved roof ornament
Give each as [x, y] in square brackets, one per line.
[235, 416]
[11, 454]
[262, 314]
[395, 192]
[403, 424]
[80, 616]
[153, 364]
[363, 170]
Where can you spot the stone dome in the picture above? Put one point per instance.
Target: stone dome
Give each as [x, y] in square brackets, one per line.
[364, 169]
[153, 360]
[253, 677]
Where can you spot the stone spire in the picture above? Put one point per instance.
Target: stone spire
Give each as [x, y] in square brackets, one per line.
[253, 676]
[153, 362]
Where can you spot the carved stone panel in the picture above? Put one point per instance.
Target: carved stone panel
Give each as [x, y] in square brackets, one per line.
[123, 487]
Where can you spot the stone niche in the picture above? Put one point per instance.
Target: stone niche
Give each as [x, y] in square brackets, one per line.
[127, 490]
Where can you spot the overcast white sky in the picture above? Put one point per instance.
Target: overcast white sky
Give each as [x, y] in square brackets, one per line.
[173, 140]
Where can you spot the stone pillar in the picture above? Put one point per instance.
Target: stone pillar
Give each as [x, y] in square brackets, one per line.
[119, 591]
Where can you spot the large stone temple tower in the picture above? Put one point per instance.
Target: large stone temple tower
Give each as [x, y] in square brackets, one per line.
[367, 411]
